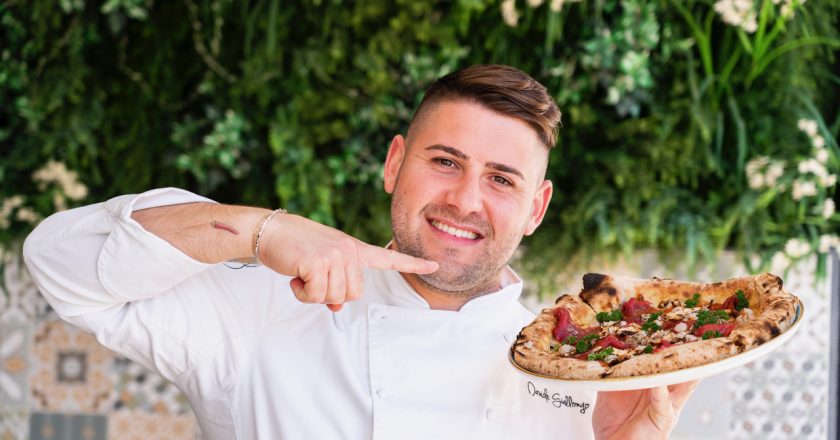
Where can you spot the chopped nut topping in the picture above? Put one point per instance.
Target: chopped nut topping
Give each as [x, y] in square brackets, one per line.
[744, 316]
[566, 349]
[669, 303]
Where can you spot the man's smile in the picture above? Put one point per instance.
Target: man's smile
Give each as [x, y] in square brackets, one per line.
[455, 231]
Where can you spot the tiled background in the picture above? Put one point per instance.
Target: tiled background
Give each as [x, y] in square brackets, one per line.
[57, 383]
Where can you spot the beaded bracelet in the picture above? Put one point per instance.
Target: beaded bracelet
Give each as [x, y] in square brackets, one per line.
[259, 232]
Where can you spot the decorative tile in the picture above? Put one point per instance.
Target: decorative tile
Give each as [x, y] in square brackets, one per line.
[15, 364]
[73, 371]
[140, 389]
[136, 425]
[21, 302]
[14, 425]
[57, 426]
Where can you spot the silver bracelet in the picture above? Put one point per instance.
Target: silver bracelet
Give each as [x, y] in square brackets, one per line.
[259, 232]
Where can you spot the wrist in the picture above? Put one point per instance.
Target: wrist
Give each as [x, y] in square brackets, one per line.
[260, 239]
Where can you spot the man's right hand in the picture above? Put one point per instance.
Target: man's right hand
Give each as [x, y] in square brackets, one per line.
[327, 264]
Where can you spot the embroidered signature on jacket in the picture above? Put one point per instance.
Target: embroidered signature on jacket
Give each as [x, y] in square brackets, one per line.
[556, 399]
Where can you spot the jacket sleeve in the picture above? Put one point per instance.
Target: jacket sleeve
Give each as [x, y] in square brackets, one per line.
[144, 298]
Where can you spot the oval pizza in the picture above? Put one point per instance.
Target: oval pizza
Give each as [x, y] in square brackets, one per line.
[623, 327]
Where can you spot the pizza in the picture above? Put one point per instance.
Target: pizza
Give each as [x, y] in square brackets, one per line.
[623, 327]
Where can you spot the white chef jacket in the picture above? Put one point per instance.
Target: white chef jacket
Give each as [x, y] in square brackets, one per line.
[256, 363]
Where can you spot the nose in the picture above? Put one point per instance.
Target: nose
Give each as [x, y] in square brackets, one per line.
[466, 195]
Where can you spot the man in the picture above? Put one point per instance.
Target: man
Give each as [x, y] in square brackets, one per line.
[419, 349]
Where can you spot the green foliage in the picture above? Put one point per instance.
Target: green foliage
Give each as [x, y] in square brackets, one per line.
[264, 102]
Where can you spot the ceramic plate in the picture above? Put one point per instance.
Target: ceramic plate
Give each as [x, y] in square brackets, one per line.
[670, 378]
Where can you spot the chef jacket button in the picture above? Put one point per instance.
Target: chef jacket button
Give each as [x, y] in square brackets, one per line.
[381, 393]
[492, 414]
[377, 314]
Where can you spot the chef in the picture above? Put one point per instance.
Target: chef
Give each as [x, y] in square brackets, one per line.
[327, 337]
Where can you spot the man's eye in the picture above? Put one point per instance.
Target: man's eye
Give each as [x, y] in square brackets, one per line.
[445, 162]
[502, 181]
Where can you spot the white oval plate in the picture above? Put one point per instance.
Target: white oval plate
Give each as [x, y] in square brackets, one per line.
[670, 378]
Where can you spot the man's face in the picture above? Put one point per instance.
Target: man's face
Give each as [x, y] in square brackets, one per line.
[466, 188]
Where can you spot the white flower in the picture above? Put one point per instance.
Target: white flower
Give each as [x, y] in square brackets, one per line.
[75, 191]
[828, 208]
[27, 214]
[757, 163]
[67, 181]
[827, 242]
[821, 155]
[534, 3]
[509, 14]
[763, 172]
[773, 172]
[818, 141]
[803, 188]
[6, 209]
[756, 181]
[59, 202]
[796, 248]
[787, 8]
[808, 126]
[613, 95]
[814, 167]
[740, 13]
[828, 181]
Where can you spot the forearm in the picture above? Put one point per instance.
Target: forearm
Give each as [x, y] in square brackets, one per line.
[190, 228]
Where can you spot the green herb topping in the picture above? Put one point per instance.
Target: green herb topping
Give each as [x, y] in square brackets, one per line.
[711, 334]
[615, 315]
[585, 343]
[648, 348]
[741, 300]
[711, 317]
[650, 324]
[571, 340]
[597, 356]
[695, 299]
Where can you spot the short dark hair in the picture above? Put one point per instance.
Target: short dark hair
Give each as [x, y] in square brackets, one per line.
[503, 89]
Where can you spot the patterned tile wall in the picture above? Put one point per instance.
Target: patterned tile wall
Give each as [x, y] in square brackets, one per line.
[58, 383]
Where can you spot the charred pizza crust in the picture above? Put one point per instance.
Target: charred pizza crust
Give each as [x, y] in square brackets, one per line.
[774, 311]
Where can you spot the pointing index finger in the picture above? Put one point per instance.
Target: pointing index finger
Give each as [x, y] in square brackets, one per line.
[381, 258]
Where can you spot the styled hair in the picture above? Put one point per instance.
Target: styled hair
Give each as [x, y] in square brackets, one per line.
[502, 89]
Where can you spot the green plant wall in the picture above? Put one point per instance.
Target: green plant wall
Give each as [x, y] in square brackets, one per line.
[686, 123]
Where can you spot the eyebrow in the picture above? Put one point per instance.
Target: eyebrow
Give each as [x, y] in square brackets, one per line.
[460, 155]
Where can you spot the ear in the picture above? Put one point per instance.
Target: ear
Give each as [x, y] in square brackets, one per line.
[393, 162]
[539, 206]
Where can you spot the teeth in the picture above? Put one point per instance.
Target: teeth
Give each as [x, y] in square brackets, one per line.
[454, 231]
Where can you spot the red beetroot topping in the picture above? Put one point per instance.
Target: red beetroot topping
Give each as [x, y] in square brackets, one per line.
[611, 341]
[633, 310]
[728, 304]
[565, 328]
[723, 329]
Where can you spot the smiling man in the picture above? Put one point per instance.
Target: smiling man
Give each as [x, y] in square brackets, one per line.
[419, 349]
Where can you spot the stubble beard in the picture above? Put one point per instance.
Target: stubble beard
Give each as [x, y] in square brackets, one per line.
[453, 278]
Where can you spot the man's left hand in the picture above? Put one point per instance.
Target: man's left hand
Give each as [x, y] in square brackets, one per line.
[640, 414]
